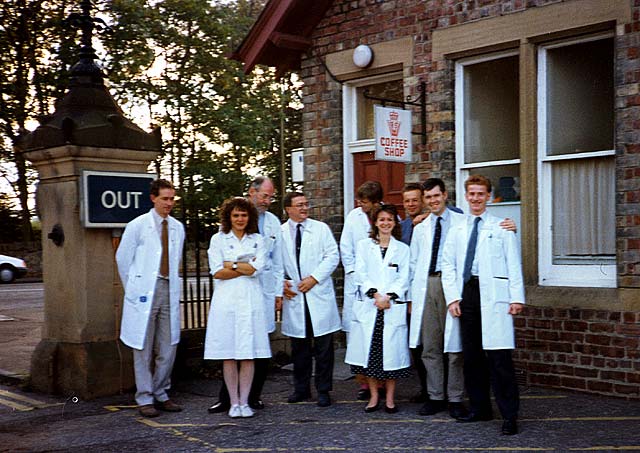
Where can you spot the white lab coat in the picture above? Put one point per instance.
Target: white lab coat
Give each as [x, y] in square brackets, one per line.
[138, 259]
[499, 272]
[388, 275]
[236, 327]
[356, 228]
[319, 257]
[421, 243]
[272, 275]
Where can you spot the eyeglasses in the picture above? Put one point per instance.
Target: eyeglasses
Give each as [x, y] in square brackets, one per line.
[301, 205]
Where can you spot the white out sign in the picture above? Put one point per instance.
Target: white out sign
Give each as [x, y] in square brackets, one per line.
[393, 134]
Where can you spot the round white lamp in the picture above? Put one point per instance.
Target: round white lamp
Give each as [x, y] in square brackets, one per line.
[362, 56]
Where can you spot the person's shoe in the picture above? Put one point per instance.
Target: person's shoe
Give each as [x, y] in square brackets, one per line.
[324, 400]
[432, 407]
[148, 411]
[257, 404]
[510, 427]
[218, 408]
[364, 394]
[473, 417]
[420, 397]
[457, 410]
[246, 411]
[235, 411]
[296, 397]
[369, 409]
[168, 406]
[390, 410]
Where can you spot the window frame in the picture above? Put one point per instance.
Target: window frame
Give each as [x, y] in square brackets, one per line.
[574, 275]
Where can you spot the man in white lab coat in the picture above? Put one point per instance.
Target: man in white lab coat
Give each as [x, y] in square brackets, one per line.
[148, 260]
[483, 287]
[261, 192]
[310, 312]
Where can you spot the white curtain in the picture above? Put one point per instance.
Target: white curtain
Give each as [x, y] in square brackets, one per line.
[583, 208]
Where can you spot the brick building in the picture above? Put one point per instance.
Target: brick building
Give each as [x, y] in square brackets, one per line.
[543, 97]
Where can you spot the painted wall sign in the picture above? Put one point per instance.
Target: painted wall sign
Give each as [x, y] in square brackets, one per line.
[393, 134]
[113, 199]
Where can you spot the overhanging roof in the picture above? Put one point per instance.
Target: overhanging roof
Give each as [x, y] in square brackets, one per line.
[281, 34]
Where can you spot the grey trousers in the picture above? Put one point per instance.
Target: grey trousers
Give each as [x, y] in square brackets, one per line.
[433, 356]
[154, 384]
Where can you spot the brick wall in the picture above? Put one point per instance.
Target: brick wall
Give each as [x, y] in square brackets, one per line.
[587, 350]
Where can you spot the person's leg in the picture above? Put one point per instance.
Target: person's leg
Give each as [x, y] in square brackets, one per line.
[390, 385]
[142, 360]
[373, 388]
[260, 370]
[421, 372]
[433, 340]
[476, 370]
[246, 376]
[165, 352]
[301, 355]
[230, 373]
[503, 382]
[325, 357]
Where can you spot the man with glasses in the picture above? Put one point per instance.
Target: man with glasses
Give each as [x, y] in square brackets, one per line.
[310, 312]
[261, 192]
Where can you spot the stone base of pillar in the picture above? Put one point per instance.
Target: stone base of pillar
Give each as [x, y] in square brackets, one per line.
[83, 370]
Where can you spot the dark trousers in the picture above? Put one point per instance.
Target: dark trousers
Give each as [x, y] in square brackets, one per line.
[418, 364]
[485, 369]
[302, 352]
[261, 368]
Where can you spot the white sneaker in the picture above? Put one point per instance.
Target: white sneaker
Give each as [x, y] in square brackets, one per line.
[246, 411]
[235, 411]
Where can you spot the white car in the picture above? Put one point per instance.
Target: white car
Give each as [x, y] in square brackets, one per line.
[11, 268]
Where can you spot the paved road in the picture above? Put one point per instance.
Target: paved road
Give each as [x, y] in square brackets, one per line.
[550, 421]
[21, 318]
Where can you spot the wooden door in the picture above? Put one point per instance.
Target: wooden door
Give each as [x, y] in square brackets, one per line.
[389, 174]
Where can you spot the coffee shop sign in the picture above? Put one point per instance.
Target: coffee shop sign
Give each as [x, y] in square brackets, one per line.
[393, 134]
[113, 199]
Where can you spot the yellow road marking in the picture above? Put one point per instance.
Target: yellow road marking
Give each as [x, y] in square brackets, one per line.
[15, 396]
[16, 406]
[608, 448]
[117, 408]
[469, 448]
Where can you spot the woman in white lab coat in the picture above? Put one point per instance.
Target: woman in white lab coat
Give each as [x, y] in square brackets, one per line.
[237, 328]
[378, 346]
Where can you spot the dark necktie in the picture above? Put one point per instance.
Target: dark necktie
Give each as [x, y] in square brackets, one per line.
[164, 261]
[471, 251]
[435, 246]
[298, 244]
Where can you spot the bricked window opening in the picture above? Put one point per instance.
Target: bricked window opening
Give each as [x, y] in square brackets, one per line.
[576, 162]
[487, 128]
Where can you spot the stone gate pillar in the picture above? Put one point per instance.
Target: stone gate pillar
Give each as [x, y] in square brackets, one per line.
[80, 353]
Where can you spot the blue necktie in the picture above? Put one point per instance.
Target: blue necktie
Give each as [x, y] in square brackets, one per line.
[471, 251]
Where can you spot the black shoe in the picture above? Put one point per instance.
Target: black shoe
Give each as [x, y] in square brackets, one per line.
[219, 407]
[257, 404]
[432, 407]
[296, 397]
[473, 417]
[324, 400]
[364, 394]
[420, 397]
[510, 427]
[457, 410]
[390, 410]
[369, 409]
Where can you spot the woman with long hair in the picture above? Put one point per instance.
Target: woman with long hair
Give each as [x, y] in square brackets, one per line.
[237, 329]
[378, 346]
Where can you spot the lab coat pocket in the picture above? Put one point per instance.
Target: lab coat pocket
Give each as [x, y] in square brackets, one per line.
[396, 315]
[501, 297]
